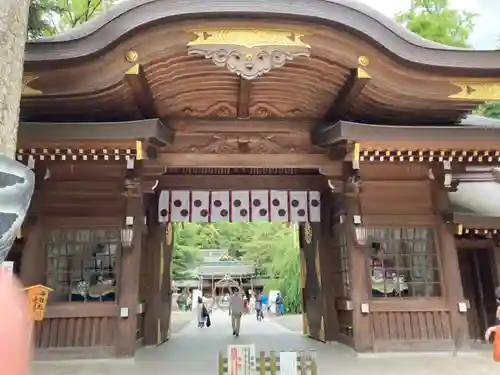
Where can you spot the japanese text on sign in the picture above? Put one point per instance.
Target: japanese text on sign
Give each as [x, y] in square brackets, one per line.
[241, 359]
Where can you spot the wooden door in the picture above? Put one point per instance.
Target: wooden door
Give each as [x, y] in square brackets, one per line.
[312, 296]
[478, 280]
[165, 285]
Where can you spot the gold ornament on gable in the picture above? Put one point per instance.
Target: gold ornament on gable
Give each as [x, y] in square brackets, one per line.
[476, 90]
[131, 56]
[317, 264]
[26, 89]
[249, 52]
[169, 234]
[308, 233]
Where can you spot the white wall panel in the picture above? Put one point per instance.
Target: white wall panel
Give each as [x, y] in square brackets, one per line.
[259, 205]
[299, 206]
[200, 206]
[314, 206]
[279, 205]
[164, 206]
[180, 205]
[220, 206]
[240, 205]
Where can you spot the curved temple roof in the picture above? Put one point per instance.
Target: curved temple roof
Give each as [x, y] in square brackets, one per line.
[127, 16]
[136, 61]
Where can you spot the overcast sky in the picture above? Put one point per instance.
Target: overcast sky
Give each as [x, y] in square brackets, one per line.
[486, 33]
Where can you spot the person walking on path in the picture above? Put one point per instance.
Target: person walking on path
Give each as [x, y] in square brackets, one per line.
[263, 301]
[200, 312]
[279, 305]
[259, 307]
[236, 309]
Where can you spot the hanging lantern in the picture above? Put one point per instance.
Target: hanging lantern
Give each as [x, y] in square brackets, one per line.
[127, 232]
[361, 235]
[127, 236]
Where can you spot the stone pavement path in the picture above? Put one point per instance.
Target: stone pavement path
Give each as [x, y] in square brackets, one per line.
[193, 351]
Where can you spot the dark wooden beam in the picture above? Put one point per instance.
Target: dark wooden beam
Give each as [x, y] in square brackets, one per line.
[241, 182]
[191, 160]
[244, 98]
[136, 78]
[152, 130]
[354, 84]
[348, 94]
[420, 136]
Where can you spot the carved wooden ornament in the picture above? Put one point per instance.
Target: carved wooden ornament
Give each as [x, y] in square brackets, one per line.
[249, 52]
[476, 90]
[27, 90]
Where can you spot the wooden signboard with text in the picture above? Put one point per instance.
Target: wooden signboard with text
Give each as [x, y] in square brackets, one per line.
[37, 301]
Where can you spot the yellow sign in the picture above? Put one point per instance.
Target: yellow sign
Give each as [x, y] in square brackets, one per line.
[37, 301]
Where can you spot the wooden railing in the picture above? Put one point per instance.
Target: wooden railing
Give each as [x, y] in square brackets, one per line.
[409, 325]
[77, 325]
[269, 363]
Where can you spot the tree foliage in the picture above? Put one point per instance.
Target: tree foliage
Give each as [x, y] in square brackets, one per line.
[49, 17]
[436, 21]
[489, 109]
[272, 247]
[40, 18]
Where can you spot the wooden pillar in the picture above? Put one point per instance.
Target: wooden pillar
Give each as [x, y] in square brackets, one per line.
[358, 276]
[151, 277]
[128, 288]
[34, 260]
[327, 261]
[452, 285]
[34, 256]
[449, 263]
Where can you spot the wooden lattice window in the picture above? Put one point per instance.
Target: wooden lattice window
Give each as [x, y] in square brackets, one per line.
[82, 263]
[343, 270]
[403, 262]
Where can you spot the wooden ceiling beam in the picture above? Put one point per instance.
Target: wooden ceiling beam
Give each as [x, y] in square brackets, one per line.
[354, 84]
[153, 131]
[245, 90]
[136, 79]
[190, 160]
[348, 94]
[245, 182]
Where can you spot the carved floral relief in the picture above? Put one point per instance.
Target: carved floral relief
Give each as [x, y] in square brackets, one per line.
[241, 144]
[246, 52]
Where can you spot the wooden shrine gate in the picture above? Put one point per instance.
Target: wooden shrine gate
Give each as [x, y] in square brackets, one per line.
[262, 205]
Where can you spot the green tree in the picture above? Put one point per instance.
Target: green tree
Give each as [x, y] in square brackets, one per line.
[285, 270]
[40, 18]
[272, 247]
[436, 21]
[77, 12]
[185, 250]
[489, 109]
[49, 17]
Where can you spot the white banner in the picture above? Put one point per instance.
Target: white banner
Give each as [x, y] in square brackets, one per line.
[288, 363]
